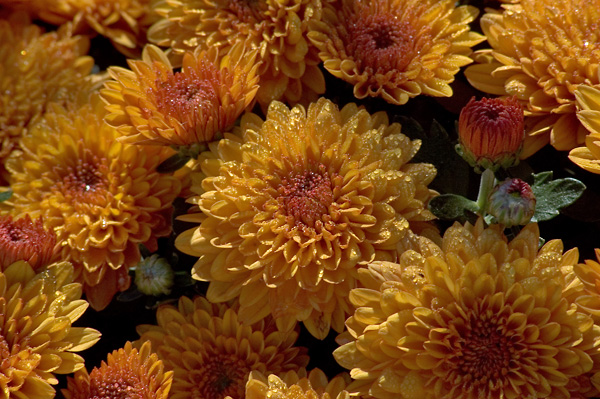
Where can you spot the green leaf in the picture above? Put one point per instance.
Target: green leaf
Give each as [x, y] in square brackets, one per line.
[452, 207]
[437, 148]
[553, 195]
[173, 163]
[5, 195]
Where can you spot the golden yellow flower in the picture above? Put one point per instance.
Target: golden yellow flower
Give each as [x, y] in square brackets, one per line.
[128, 373]
[541, 51]
[395, 49]
[212, 353]
[102, 198]
[588, 105]
[297, 385]
[292, 207]
[150, 104]
[124, 22]
[37, 68]
[277, 28]
[23, 239]
[37, 339]
[477, 317]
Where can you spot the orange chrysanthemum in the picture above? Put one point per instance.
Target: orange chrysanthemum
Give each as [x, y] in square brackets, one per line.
[212, 353]
[395, 49]
[102, 198]
[297, 385]
[289, 69]
[152, 105]
[126, 374]
[541, 51]
[36, 68]
[475, 318]
[295, 205]
[124, 22]
[37, 339]
[23, 239]
[588, 105]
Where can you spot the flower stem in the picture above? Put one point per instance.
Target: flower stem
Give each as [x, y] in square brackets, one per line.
[485, 186]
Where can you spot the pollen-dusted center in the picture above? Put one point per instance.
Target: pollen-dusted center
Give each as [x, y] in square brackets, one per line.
[120, 383]
[219, 377]
[380, 41]
[186, 97]
[83, 181]
[306, 196]
[11, 233]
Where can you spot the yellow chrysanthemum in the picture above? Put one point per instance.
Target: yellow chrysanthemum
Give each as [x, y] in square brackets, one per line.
[297, 385]
[36, 68]
[124, 22]
[292, 207]
[126, 374]
[277, 28]
[588, 105]
[395, 49]
[102, 198]
[37, 339]
[541, 51]
[150, 104]
[475, 318]
[212, 353]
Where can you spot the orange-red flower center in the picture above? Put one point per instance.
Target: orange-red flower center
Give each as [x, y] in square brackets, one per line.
[246, 10]
[220, 376]
[25, 240]
[486, 352]
[116, 383]
[381, 42]
[187, 97]
[306, 197]
[84, 182]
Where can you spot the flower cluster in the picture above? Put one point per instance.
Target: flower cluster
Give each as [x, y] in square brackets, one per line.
[253, 186]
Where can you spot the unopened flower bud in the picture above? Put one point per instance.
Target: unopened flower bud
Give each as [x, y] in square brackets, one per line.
[154, 276]
[512, 203]
[491, 132]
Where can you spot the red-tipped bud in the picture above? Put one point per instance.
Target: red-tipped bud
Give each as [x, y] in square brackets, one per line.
[491, 132]
[512, 203]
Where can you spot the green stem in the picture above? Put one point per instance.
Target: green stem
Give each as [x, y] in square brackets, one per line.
[485, 186]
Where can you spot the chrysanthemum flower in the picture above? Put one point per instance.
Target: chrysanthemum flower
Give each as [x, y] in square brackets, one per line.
[491, 132]
[127, 373]
[297, 385]
[23, 239]
[541, 51]
[588, 105]
[37, 68]
[289, 69]
[37, 339]
[102, 198]
[212, 353]
[475, 318]
[395, 49]
[295, 205]
[588, 299]
[124, 22]
[150, 104]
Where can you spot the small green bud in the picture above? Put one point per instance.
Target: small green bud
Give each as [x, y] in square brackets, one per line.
[154, 276]
[512, 203]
